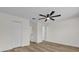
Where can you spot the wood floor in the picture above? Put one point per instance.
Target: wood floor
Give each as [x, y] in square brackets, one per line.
[45, 47]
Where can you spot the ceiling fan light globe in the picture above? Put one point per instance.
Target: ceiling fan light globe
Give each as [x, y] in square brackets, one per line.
[48, 18]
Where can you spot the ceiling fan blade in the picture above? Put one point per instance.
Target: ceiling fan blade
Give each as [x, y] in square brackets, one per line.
[52, 19]
[41, 18]
[52, 13]
[42, 15]
[56, 16]
[47, 15]
[45, 20]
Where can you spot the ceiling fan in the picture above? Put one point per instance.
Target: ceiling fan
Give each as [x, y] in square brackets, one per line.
[49, 16]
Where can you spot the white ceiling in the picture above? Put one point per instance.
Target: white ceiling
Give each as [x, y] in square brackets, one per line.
[33, 12]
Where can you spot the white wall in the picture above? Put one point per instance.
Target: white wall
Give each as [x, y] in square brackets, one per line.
[36, 32]
[14, 32]
[33, 36]
[64, 32]
[39, 33]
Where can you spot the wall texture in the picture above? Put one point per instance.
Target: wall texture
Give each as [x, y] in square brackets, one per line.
[14, 32]
[64, 32]
[33, 36]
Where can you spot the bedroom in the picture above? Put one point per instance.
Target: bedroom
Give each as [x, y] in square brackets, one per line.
[21, 27]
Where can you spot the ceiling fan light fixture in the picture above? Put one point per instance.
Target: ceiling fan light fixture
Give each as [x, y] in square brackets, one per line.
[47, 18]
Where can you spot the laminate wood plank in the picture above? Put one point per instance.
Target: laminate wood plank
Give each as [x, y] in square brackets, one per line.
[45, 47]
